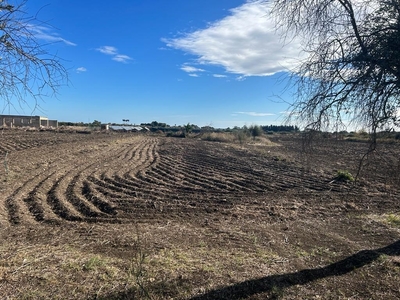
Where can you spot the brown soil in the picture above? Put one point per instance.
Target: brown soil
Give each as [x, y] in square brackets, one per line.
[124, 216]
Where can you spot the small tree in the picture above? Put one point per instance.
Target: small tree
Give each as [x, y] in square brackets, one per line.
[96, 123]
[26, 67]
[255, 131]
[188, 128]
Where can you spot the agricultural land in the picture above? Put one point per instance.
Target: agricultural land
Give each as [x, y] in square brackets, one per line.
[145, 216]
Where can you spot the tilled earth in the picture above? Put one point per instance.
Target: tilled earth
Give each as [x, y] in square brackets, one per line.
[125, 216]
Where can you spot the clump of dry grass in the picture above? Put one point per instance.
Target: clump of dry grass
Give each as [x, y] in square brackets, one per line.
[237, 137]
[223, 137]
[262, 141]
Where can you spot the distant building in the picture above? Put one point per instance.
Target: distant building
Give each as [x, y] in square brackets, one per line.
[26, 121]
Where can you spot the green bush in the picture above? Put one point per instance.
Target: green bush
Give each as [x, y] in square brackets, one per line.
[344, 176]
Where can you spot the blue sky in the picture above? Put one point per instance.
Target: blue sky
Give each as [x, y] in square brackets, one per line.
[217, 63]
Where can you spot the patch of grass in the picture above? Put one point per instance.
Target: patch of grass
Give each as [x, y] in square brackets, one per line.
[241, 136]
[382, 258]
[393, 219]
[276, 292]
[92, 263]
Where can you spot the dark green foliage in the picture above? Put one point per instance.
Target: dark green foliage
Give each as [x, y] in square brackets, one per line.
[279, 128]
[343, 175]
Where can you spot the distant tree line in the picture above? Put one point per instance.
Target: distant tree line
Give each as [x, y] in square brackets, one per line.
[266, 128]
[155, 126]
[280, 128]
[95, 123]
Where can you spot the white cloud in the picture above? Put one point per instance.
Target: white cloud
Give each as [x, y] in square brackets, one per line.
[241, 78]
[46, 34]
[111, 50]
[219, 76]
[245, 42]
[81, 69]
[190, 69]
[254, 114]
[193, 75]
[122, 58]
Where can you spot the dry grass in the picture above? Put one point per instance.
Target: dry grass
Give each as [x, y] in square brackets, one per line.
[237, 138]
[223, 137]
[78, 261]
[81, 261]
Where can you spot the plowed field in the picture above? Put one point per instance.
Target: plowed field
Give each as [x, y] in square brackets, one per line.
[124, 216]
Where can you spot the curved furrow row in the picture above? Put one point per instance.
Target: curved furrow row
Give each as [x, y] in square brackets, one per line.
[137, 178]
[137, 158]
[102, 190]
[140, 158]
[147, 190]
[144, 158]
[129, 188]
[7, 146]
[90, 193]
[192, 177]
[26, 203]
[67, 211]
[57, 200]
[234, 165]
[230, 171]
[86, 199]
[294, 177]
[49, 198]
[140, 186]
[148, 149]
[34, 203]
[14, 209]
[245, 181]
[134, 149]
[71, 200]
[235, 175]
[130, 154]
[115, 162]
[164, 177]
[81, 203]
[209, 173]
[270, 175]
[248, 179]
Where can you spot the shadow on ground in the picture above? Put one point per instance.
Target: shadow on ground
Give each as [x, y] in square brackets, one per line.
[275, 284]
[269, 284]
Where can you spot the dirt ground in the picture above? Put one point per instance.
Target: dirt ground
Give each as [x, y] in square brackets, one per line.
[131, 216]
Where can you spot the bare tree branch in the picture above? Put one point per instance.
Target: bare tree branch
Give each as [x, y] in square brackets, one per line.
[352, 71]
[26, 68]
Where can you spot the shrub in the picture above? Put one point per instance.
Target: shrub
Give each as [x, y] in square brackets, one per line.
[255, 131]
[344, 176]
